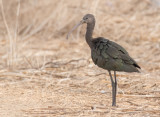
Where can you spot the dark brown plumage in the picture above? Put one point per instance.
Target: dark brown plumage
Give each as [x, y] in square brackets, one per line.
[107, 54]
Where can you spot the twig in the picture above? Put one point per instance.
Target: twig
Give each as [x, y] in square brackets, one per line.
[40, 27]
[144, 96]
[28, 61]
[5, 22]
[56, 64]
[9, 34]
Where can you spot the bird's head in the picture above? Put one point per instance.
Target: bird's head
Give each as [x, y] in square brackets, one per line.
[88, 18]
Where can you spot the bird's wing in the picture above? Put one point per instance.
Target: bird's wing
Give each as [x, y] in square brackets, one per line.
[118, 47]
[113, 50]
[122, 53]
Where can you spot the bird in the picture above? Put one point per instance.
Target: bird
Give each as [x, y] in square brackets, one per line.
[107, 54]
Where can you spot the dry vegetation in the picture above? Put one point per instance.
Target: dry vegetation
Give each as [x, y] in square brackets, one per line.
[42, 74]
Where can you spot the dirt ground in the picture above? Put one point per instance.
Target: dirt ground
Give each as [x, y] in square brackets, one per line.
[43, 74]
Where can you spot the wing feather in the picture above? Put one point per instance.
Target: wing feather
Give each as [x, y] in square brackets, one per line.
[116, 55]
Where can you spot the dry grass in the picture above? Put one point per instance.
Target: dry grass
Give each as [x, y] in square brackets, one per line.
[42, 74]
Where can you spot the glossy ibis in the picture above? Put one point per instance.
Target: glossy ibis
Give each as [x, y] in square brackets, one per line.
[107, 54]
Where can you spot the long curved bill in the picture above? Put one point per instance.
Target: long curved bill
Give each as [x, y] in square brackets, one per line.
[76, 26]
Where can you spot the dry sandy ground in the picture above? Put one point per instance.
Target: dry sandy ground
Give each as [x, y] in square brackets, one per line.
[52, 76]
[73, 86]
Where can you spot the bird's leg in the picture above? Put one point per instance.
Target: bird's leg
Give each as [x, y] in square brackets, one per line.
[115, 82]
[113, 90]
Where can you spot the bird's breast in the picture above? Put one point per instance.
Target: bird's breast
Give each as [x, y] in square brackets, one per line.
[99, 58]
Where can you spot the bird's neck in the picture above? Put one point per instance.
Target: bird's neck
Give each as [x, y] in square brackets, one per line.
[89, 32]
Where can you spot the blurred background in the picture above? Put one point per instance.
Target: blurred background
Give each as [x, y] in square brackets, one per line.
[134, 22]
[34, 50]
